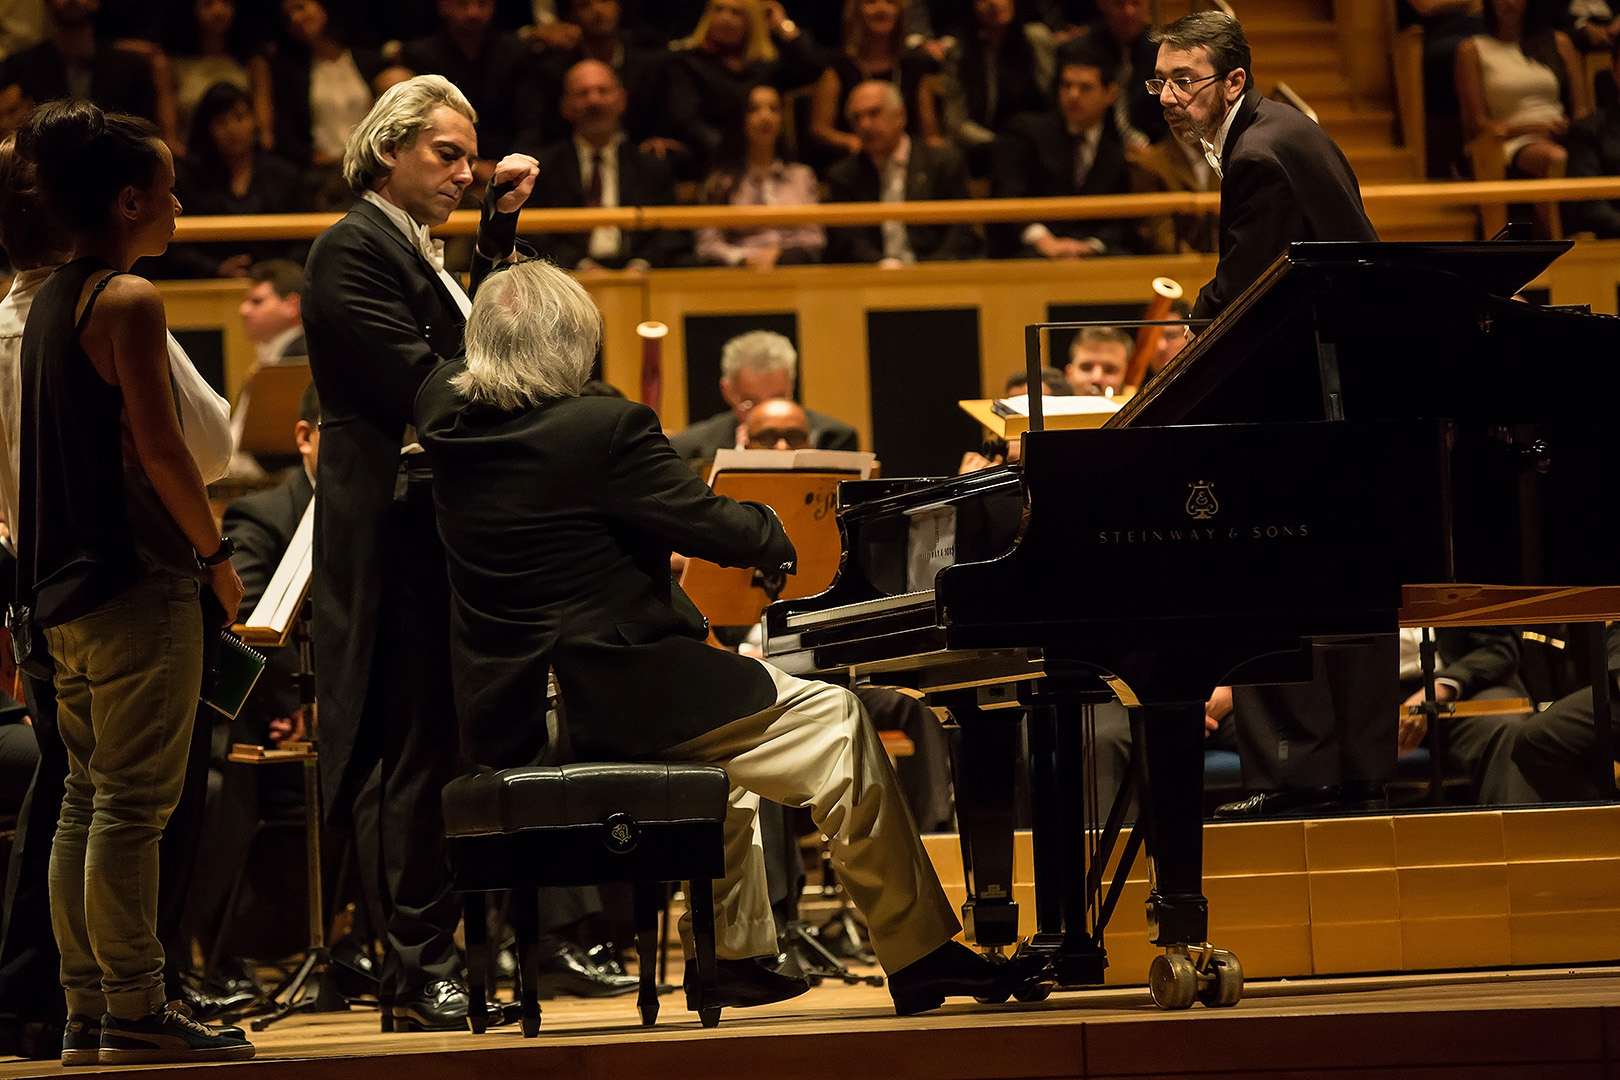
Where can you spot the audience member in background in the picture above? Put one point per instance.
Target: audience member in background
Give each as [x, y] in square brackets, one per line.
[72, 61]
[643, 72]
[776, 424]
[1594, 150]
[1119, 35]
[204, 43]
[320, 89]
[272, 312]
[22, 23]
[737, 45]
[227, 174]
[1521, 81]
[892, 167]
[999, 69]
[754, 367]
[113, 565]
[1591, 24]
[14, 105]
[1072, 150]
[753, 168]
[599, 167]
[1446, 24]
[1053, 381]
[1097, 361]
[874, 47]
[497, 72]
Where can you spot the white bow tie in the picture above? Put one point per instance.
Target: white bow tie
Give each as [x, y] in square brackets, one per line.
[432, 250]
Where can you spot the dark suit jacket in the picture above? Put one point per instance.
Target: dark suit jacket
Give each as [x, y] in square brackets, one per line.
[644, 74]
[700, 440]
[932, 172]
[120, 80]
[643, 181]
[1594, 150]
[1283, 180]
[1475, 658]
[262, 526]
[377, 319]
[1034, 157]
[558, 522]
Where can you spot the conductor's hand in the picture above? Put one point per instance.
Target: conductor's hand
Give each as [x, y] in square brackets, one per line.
[227, 587]
[520, 170]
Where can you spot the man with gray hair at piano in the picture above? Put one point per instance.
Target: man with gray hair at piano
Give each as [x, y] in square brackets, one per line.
[558, 515]
[755, 367]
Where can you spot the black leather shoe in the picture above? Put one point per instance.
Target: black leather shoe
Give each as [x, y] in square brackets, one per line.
[1266, 804]
[744, 983]
[568, 972]
[439, 1006]
[205, 1006]
[954, 970]
[1363, 795]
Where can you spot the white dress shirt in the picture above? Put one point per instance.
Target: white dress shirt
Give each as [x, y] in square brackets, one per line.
[892, 188]
[605, 241]
[430, 249]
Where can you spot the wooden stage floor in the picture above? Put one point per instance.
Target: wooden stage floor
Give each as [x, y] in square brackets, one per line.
[1525, 1025]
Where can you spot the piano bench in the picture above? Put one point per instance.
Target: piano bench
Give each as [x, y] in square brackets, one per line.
[588, 824]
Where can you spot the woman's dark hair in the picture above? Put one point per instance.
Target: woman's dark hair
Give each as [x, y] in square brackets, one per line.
[86, 157]
[731, 156]
[29, 232]
[1538, 40]
[179, 36]
[216, 101]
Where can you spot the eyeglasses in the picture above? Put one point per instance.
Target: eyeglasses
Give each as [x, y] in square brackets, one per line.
[1181, 87]
[796, 438]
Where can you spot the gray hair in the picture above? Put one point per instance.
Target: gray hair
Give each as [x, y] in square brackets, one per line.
[892, 98]
[532, 336]
[759, 350]
[394, 123]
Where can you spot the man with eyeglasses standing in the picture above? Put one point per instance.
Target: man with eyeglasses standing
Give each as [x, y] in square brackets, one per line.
[1282, 177]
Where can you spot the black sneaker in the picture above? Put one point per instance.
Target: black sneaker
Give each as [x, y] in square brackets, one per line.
[166, 1036]
[81, 1040]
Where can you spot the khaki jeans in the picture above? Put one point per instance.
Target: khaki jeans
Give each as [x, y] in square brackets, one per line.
[127, 679]
[815, 747]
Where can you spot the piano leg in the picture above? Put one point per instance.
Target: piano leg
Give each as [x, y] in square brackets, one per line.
[983, 751]
[1169, 743]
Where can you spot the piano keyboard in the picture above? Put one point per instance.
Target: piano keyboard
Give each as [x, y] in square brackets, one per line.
[804, 620]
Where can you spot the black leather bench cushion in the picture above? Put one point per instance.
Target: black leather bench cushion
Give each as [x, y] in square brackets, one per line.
[534, 797]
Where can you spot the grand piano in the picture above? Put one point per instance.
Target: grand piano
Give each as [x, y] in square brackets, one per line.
[1372, 435]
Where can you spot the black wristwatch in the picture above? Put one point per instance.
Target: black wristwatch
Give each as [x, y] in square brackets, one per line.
[227, 548]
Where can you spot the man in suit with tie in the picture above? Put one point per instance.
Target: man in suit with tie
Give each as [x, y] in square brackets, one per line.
[1282, 177]
[1072, 150]
[891, 167]
[379, 313]
[599, 166]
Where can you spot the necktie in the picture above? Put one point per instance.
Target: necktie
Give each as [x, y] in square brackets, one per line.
[1082, 161]
[593, 196]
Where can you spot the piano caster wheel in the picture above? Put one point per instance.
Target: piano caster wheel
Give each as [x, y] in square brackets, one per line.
[1033, 991]
[1173, 981]
[1224, 987]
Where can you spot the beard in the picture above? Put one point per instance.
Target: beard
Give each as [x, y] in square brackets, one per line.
[1193, 131]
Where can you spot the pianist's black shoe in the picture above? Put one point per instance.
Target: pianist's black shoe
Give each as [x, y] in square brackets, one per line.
[566, 971]
[1363, 795]
[744, 983]
[1266, 804]
[954, 970]
[439, 1006]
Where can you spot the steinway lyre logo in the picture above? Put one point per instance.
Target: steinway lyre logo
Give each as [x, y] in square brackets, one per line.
[621, 834]
[1201, 503]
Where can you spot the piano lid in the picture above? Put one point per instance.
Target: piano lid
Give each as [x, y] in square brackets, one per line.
[1426, 329]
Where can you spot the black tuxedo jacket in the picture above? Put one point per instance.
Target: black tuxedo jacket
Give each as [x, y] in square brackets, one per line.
[262, 526]
[558, 522]
[1475, 658]
[932, 172]
[1283, 180]
[1034, 157]
[719, 432]
[120, 80]
[643, 181]
[377, 319]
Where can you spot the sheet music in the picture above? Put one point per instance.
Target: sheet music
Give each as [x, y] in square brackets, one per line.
[860, 461]
[272, 618]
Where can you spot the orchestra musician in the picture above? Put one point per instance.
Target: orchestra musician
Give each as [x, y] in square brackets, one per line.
[558, 515]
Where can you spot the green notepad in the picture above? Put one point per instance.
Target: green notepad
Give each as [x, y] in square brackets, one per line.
[239, 670]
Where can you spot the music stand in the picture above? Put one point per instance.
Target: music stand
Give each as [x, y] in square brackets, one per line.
[282, 615]
[267, 410]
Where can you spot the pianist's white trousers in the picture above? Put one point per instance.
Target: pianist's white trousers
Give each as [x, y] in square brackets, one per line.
[816, 747]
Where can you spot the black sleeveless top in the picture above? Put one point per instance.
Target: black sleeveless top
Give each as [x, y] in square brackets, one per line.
[75, 546]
